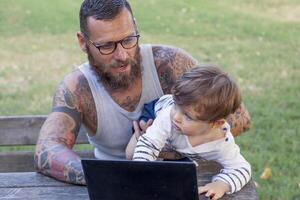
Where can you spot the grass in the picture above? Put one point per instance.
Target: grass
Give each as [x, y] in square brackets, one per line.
[255, 41]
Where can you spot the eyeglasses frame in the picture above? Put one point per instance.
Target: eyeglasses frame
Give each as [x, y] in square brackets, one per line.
[116, 44]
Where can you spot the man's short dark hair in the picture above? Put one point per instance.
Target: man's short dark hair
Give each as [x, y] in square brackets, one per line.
[100, 10]
[213, 93]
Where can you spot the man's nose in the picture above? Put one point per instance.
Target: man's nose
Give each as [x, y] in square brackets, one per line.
[120, 53]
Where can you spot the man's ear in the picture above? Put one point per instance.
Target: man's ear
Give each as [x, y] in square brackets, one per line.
[81, 41]
[218, 123]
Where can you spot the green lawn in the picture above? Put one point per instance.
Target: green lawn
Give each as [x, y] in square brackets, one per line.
[256, 41]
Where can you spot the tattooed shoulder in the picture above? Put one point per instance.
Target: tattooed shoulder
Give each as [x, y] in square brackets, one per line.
[171, 62]
[69, 91]
[58, 99]
[86, 103]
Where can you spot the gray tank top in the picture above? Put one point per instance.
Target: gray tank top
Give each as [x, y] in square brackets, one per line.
[114, 123]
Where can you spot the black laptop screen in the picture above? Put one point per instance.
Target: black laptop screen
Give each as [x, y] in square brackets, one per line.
[130, 180]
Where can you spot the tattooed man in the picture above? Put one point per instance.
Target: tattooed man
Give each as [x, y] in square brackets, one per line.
[107, 93]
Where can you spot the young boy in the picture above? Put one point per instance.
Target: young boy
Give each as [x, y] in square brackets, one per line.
[192, 122]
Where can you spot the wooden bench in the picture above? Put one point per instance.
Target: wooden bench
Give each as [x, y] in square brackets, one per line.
[24, 131]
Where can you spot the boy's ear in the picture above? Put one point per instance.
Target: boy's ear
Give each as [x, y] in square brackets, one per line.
[218, 123]
[81, 41]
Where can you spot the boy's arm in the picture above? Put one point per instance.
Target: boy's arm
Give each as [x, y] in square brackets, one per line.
[236, 170]
[139, 129]
[146, 150]
[151, 143]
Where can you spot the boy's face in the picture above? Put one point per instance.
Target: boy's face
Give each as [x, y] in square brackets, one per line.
[185, 120]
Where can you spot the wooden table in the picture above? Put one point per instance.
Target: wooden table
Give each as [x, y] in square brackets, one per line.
[24, 130]
[207, 169]
[33, 186]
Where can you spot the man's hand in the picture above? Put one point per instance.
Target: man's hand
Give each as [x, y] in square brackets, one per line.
[141, 127]
[214, 190]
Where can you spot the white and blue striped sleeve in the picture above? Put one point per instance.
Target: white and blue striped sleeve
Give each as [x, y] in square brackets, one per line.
[163, 102]
[150, 144]
[236, 170]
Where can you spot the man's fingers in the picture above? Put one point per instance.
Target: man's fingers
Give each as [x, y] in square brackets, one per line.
[149, 122]
[137, 130]
[142, 124]
[136, 126]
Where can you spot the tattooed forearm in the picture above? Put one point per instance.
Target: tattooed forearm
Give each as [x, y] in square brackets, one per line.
[59, 128]
[54, 156]
[60, 163]
[239, 121]
[171, 62]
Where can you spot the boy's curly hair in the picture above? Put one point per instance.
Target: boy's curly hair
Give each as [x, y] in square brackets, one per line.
[211, 91]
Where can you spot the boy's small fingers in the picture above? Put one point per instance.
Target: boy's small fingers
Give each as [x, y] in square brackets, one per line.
[216, 197]
[209, 193]
[202, 189]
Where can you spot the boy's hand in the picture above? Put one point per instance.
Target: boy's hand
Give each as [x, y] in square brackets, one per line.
[214, 190]
[141, 127]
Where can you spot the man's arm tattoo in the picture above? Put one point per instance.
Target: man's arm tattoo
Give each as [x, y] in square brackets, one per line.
[64, 101]
[86, 103]
[239, 121]
[171, 63]
[64, 97]
[54, 156]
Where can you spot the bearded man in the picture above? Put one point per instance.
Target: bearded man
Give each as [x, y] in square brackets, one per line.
[107, 93]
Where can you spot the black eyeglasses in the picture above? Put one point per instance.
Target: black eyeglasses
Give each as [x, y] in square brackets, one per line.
[109, 47]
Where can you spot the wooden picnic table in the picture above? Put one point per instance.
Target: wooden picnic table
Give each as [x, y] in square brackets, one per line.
[33, 186]
[19, 181]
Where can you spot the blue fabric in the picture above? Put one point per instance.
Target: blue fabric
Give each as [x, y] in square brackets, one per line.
[148, 111]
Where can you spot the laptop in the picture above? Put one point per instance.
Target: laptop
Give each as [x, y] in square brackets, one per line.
[140, 180]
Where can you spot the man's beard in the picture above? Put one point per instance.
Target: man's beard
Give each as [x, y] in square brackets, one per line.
[119, 81]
